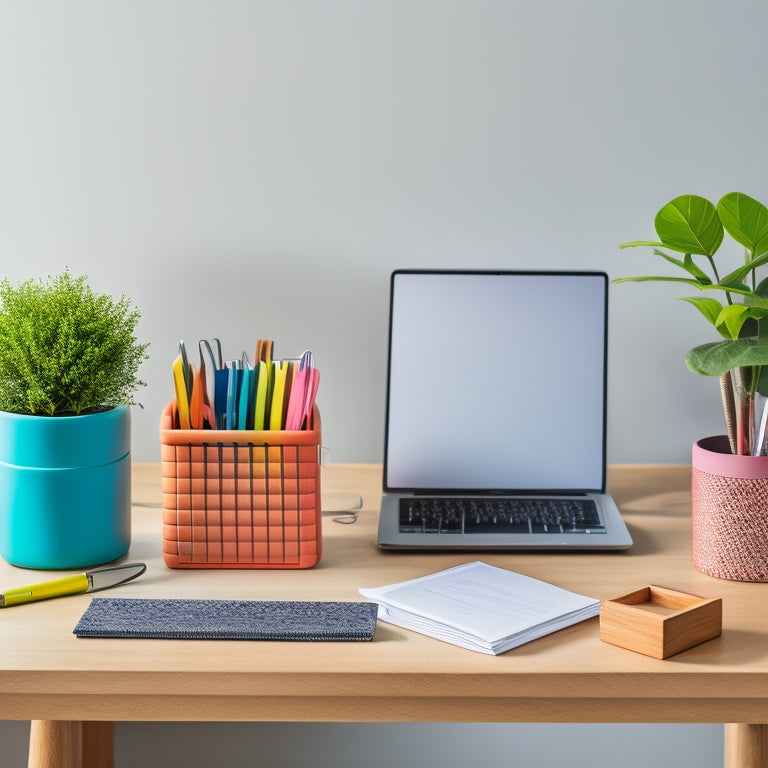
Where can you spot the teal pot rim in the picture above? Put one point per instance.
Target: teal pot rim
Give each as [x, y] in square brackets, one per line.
[65, 442]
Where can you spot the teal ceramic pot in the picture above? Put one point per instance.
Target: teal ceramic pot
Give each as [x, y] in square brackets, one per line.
[65, 488]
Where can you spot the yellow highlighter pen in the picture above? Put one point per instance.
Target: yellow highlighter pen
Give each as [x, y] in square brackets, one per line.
[90, 581]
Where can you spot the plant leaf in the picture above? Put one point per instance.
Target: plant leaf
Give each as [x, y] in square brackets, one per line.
[715, 358]
[710, 308]
[690, 224]
[739, 274]
[638, 243]
[746, 221]
[732, 317]
[660, 279]
[687, 264]
[756, 301]
[695, 270]
[739, 288]
[751, 327]
[762, 382]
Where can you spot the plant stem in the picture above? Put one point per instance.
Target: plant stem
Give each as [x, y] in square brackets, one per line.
[726, 393]
[717, 277]
[744, 405]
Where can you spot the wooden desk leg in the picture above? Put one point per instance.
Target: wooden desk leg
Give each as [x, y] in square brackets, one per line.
[746, 745]
[70, 744]
[98, 745]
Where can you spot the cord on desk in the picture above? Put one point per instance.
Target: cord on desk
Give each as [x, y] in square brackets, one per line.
[346, 508]
[346, 514]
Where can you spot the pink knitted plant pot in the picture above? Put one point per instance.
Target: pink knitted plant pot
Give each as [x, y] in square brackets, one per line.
[729, 496]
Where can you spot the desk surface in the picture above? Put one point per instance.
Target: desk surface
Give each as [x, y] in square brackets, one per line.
[47, 673]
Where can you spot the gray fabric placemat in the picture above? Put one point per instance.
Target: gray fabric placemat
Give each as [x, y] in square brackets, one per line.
[177, 619]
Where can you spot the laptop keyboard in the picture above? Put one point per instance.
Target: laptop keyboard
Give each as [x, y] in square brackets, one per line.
[518, 515]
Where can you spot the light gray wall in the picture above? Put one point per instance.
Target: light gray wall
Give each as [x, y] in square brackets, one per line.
[247, 169]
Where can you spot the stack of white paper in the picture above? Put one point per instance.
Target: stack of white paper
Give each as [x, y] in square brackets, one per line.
[480, 607]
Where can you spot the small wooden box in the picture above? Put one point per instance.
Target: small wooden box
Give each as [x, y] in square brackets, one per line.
[659, 622]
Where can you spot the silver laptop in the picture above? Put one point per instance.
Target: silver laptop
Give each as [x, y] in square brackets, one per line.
[496, 401]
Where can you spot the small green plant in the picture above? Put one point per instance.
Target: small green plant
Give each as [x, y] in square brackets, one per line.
[64, 349]
[736, 304]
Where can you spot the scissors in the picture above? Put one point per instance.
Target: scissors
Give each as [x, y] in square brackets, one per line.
[192, 403]
[210, 363]
[195, 411]
[200, 412]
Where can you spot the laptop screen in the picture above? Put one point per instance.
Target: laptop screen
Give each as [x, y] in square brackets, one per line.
[496, 381]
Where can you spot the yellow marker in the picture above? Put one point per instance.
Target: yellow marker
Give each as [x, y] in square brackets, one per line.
[182, 396]
[279, 374]
[262, 394]
[90, 581]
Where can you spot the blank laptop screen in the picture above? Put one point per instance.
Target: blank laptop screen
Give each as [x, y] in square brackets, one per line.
[496, 381]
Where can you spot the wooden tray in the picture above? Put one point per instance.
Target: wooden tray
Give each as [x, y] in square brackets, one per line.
[659, 622]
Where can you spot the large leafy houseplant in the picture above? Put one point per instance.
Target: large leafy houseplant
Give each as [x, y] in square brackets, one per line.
[735, 303]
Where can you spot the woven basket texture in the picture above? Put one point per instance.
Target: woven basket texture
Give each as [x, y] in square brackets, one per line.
[730, 526]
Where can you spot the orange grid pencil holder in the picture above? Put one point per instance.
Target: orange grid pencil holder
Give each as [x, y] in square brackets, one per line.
[240, 498]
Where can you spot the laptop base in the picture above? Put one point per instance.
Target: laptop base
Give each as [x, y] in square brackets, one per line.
[478, 530]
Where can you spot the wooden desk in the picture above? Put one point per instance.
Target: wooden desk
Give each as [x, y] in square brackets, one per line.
[60, 682]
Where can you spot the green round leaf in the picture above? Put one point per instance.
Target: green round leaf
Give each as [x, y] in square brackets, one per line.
[690, 224]
[718, 357]
[745, 220]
